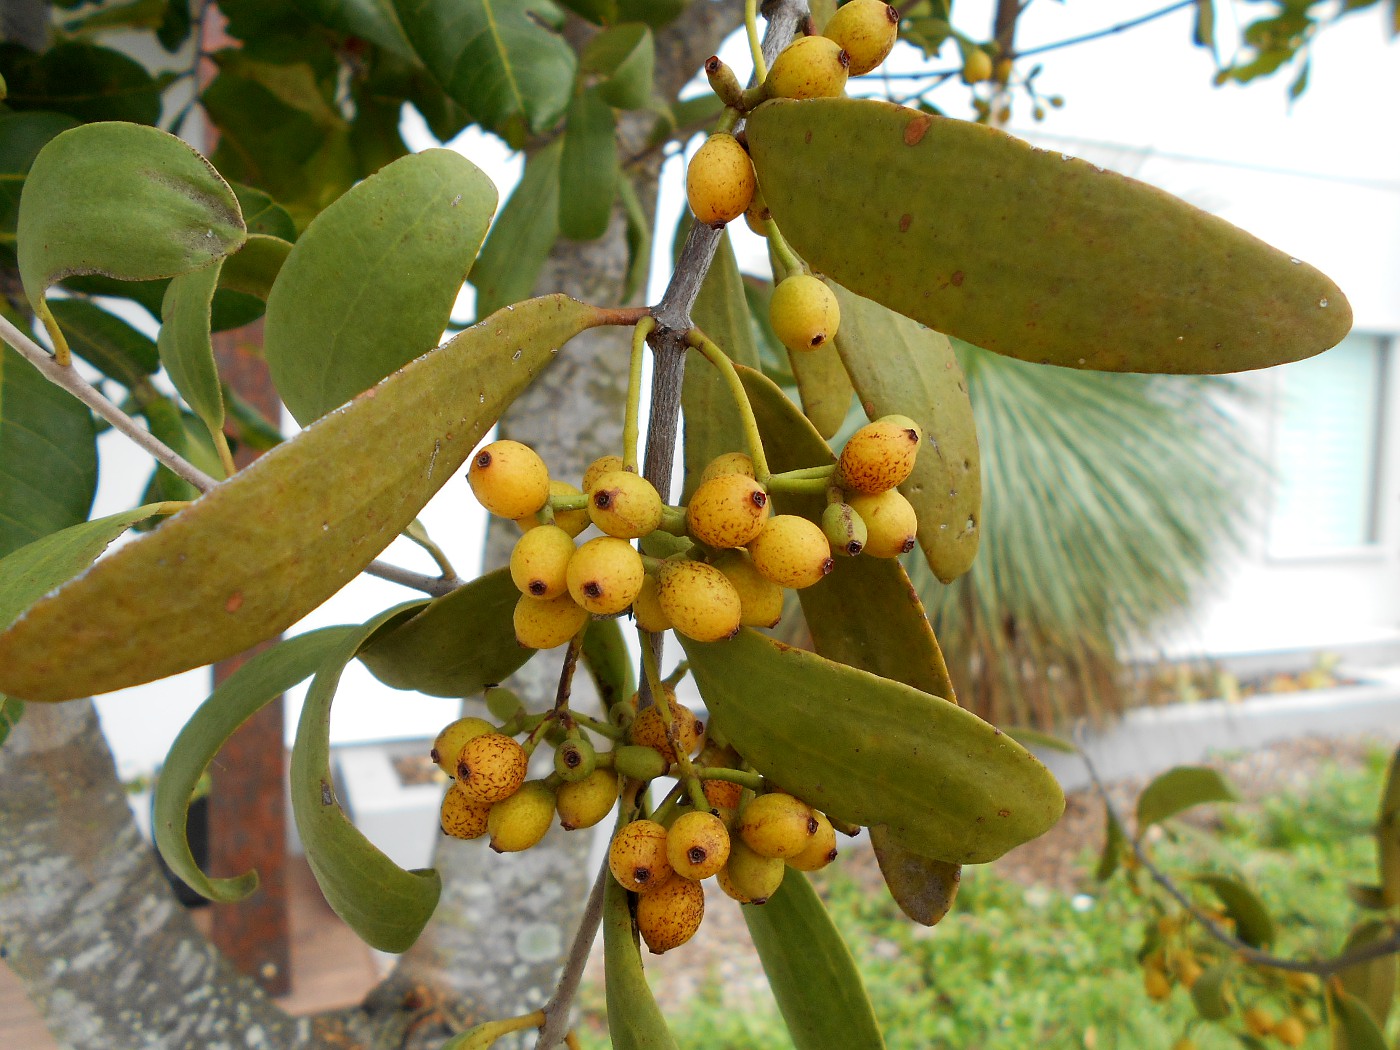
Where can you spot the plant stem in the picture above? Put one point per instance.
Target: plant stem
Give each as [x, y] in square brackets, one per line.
[658, 691]
[717, 357]
[225, 453]
[799, 486]
[781, 250]
[752, 781]
[760, 68]
[630, 428]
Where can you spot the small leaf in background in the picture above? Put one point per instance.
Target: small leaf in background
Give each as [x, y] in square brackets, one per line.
[522, 235]
[125, 201]
[1028, 737]
[654, 13]
[1373, 982]
[623, 59]
[609, 662]
[511, 73]
[253, 269]
[588, 168]
[634, 1020]
[386, 905]
[599, 12]
[373, 20]
[186, 347]
[1209, 995]
[638, 240]
[22, 136]
[923, 888]
[11, 711]
[269, 545]
[262, 214]
[1388, 833]
[264, 678]
[370, 284]
[106, 342]
[1115, 843]
[457, 645]
[1179, 789]
[1253, 923]
[1369, 897]
[1350, 1024]
[811, 972]
[84, 81]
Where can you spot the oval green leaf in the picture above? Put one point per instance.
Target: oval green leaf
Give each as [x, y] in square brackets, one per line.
[186, 345]
[810, 969]
[1209, 994]
[1388, 833]
[264, 548]
[253, 269]
[1029, 253]
[1178, 790]
[243, 694]
[1350, 1024]
[522, 235]
[634, 1019]
[623, 57]
[872, 751]
[371, 282]
[106, 342]
[1252, 920]
[923, 888]
[457, 645]
[262, 214]
[22, 136]
[900, 367]
[386, 905]
[588, 168]
[1373, 982]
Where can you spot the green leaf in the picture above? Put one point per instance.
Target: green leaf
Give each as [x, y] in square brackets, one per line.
[374, 20]
[32, 571]
[48, 455]
[865, 613]
[22, 136]
[899, 367]
[1209, 994]
[634, 1019]
[1029, 253]
[1388, 833]
[1372, 983]
[623, 58]
[810, 970]
[106, 342]
[267, 546]
[457, 645]
[262, 214]
[1028, 737]
[370, 285]
[186, 346]
[609, 662]
[599, 12]
[923, 888]
[253, 269]
[1179, 789]
[522, 235]
[871, 751]
[588, 168]
[638, 240]
[125, 201]
[247, 691]
[11, 711]
[1114, 843]
[86, 82]
[1252, 920]
[654, 13]
[509, 71]
[386, 905]
[1350, 1024]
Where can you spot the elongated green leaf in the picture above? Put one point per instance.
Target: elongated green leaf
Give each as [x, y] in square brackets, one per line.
[638, 239]
[1350, 1024]
[588, 168]
[1252, 920]
[84, 81]
[264, 548]
[509, 71]
[811, 972]
[106, 342]
[1179, 789]
[387, 906]
[1114, 843]
[871, 751]
[125, 201]
[370, 285]
[1388, 833]
[1028, 253]
[374, 20]
[624, 58]
[634, 1019]
[609, 662]
[522, 236]
[11, 711]
[900, 367]
[48, 455]
[29, 573]
[186, 345]
[458, 645]
[22, 136]
[923, 888]
[243, 694]
[1209, 995]
[1028, 737]
[1373, 983]
[262, 214]
[653, 12]
[253, 269]
[865, 612]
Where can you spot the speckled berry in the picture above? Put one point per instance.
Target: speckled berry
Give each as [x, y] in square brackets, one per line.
[880, 455]
[792, 551]
[803, 311]
[844, 529]
[605, 575]
[454, 735]
[540, 562]
[646, 608]
[777, 825]
[585, 802]
[866, 30]
[509, 479]
[760, 599]
[460, 817]
[729, 463]
[545, 623]
[669, 916]
[520, 821]
[820, 849]
[891, 524]
[491, 767]
[600, 466]
[699, 601]
[809, 67]
[722, 794]
[649, 730]
[727, 511]
[720, 180]
[697, 845]
[624, 505]
[637, 856]
[749, 877]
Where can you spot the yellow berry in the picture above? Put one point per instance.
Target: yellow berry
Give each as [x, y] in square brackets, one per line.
[760, 599]
[649, 730]
[509, 479]
[585, 802]
[699, 601]
[803, 311]
[844, 528]
[448, 744]
[670, 915]
[727, 511]
[866, 30]
[543, 624]
[1290, 1031]
[460, 817]
[491, 767]
[1258, 1021]
[729, 463]
[722, 794]
[1004, 68]
[809, 67]
[757, 214]
[624, 505]
[778, 825]
[518, 822]
[749, 877]
[599, 467]
[571, 521]
[1157, 985]
[1302, 982]
[720, 181]
[977, 66]
[605, 575]
[637, 856]
[891, 525]
[792, 551]
[880, 455]
[540, 560]
[820, 849]
[697, 845]
[646, 608]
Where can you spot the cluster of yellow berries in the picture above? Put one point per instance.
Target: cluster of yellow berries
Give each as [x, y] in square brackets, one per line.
[742, 555]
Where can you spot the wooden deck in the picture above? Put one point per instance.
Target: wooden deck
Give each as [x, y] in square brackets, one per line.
[331, 967]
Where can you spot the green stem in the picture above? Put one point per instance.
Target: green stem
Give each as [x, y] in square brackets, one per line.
[677, 673]
[225, 453]
[779, 247]
[760, 68]
[630, 427]
[752, 781]
[593, 725]
[717, 357]
[658, 697]
[806, 472]
[798, 486]
[578, 502]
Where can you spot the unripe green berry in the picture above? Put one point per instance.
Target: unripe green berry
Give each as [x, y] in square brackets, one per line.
[448, 745]
[646, 608]
[820, 849]
[585, 802]
[792, 551]
[866, 30]
[880, 455]
[543, 624]
[575, 759]
[809, 67]
[977, 66]
[600, 466]
[509, 479]
[502, 703]
[669, 916]
[727, 511]
[460, 817]
[699, 601]
[490, 767]
[844, 529]
[697, 845]
[891, 524]
[540, 562]
[729, 463]
[520, 821]
[777, 825]
[637, 856]
[760, 599]
[803, 311]
[639, 761]
[720, 180]
[605, 575]
[624, 505]
[749, 877]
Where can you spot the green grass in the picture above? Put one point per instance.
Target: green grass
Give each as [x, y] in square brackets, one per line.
[1013, 968]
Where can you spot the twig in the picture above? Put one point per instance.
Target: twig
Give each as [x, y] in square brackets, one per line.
[1321, 967]
[556, 1011]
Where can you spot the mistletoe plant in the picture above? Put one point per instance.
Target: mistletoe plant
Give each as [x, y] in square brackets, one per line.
[879, 219]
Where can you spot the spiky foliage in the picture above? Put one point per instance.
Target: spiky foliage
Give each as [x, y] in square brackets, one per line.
[1107, 499]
